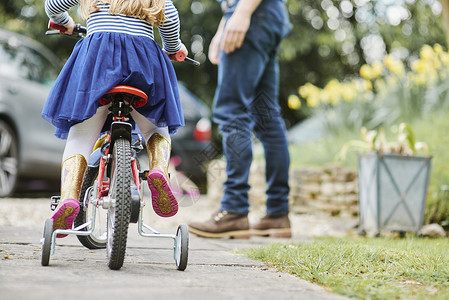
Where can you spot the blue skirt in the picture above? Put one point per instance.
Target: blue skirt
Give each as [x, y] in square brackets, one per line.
[103, 60]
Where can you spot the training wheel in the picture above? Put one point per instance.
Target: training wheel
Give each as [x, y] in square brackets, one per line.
[181, 247]
[46, 242]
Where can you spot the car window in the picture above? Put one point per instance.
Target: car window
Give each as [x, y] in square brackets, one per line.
[10, 59]
[42, 70]
[18, 61]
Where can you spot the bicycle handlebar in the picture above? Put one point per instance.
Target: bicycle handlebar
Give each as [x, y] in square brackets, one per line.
[79, 31]
[180, 56]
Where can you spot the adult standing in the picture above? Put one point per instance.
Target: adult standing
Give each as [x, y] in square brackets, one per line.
[246, 101]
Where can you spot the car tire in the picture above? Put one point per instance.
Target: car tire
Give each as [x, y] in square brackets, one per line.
[9, 159]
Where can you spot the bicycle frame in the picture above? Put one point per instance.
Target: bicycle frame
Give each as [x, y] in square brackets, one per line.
[118, 130]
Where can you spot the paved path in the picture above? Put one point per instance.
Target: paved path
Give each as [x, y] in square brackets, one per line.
[149, 271]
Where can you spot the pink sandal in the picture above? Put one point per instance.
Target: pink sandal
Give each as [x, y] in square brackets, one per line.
[163, 199]
[64, 215]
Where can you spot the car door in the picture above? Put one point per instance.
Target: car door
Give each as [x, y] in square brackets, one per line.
[27, 85]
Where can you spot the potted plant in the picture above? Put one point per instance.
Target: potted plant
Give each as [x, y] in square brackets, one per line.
[392, 179]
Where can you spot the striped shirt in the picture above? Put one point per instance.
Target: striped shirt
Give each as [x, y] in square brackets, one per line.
[102, 21]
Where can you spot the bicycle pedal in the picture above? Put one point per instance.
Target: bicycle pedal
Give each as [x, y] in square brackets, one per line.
[144, 175]
[54, 202]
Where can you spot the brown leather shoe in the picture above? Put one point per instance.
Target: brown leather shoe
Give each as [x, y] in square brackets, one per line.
[273, 227]
[222, 225]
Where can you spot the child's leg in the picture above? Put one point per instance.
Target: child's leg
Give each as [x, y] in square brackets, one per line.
[80, 142]
[158, 147]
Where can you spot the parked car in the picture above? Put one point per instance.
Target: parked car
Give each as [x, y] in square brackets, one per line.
[28, 147]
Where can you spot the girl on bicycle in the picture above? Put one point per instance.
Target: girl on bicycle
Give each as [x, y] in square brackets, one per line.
[119, 49]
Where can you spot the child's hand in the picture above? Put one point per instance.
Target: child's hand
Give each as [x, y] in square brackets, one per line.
[183, 50]
[180, 55]
[70, 27]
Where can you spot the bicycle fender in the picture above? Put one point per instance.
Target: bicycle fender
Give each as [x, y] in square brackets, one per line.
[120, 130]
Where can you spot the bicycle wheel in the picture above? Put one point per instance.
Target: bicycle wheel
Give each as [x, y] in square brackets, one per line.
[46, 242]
[98, 238]
[182, 247]
[119, 214]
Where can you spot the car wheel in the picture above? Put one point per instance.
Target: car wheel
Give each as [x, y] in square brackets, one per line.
[9, 159]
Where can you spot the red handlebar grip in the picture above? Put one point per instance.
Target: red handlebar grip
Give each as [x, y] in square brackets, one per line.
[178, 56]
[53, 25]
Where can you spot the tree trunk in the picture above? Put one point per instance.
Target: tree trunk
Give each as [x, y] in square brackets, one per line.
[445, 5]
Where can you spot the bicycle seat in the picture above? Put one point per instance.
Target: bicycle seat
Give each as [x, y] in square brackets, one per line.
[134, 96]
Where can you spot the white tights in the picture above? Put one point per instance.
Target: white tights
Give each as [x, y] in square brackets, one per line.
[82, 136]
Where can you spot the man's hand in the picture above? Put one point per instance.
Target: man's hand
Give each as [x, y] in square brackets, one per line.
[214, 49]
[238, 25]
[235, 31]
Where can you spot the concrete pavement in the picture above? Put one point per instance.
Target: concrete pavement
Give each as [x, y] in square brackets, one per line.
[149, 271]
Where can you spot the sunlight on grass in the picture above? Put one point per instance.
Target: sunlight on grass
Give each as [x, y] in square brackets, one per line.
[382, 268]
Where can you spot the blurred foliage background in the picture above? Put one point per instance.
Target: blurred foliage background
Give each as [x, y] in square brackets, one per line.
[330, 39]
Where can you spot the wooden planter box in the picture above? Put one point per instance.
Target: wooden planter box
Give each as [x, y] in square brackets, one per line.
[392, 192]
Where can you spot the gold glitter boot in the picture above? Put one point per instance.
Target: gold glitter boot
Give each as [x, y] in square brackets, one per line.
[164, 202]
[72, 174]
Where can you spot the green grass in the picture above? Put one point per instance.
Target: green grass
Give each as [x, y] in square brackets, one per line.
[376, 268]
[362, 268]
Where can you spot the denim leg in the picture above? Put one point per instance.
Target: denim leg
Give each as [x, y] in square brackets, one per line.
[277, 160]
[270, 130]
[237, 148]
[239, 74]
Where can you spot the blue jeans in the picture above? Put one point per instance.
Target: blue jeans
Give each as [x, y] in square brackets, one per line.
[246, 101]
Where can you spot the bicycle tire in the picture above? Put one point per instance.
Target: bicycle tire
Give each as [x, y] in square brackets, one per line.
[119, 215]
[95, 240]
[182, 247]
[46, 242]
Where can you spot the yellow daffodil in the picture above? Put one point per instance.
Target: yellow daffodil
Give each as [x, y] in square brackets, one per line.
[419, 66]
[293, 102]
[394, 66]
[438, 49]
[444, 58]
[426, 52]
[332, 91]
[367, 85]
[313, 101]
[371, 72]
[417, 78]
[377, 69]
[349, 92]
[307, 90]
[366, 72]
